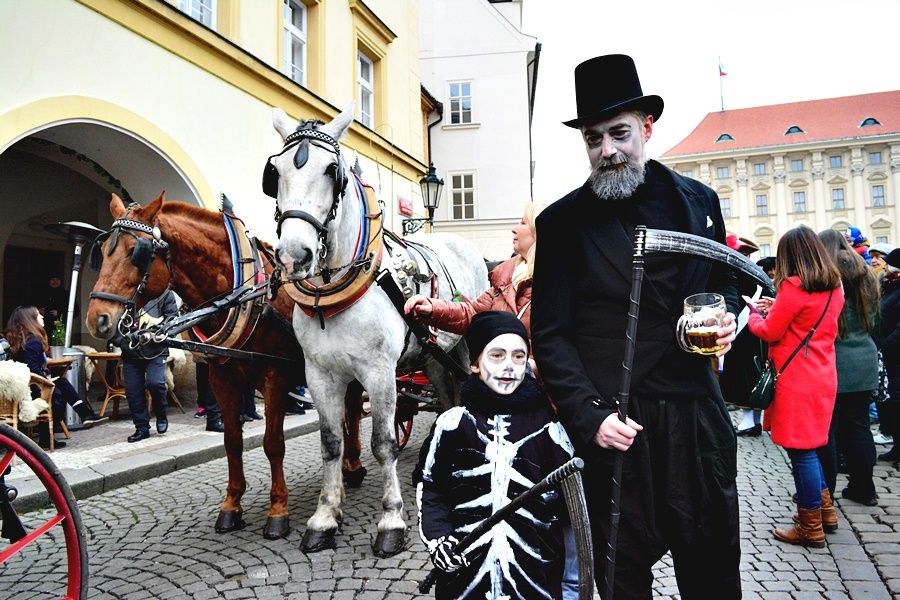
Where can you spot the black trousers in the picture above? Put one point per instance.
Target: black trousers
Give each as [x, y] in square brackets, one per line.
[205, 396]
[850, 433]
[678, 494]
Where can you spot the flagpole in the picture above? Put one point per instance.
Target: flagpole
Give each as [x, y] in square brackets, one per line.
[721, 93]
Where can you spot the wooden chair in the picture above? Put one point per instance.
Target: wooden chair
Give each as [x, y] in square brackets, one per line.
[9, 409]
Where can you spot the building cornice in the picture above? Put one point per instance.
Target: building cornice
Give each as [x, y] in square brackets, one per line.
[781, 148]
[365, 14]
[164, 25]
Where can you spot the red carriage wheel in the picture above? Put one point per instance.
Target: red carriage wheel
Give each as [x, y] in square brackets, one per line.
[14, 444]
[404, 429]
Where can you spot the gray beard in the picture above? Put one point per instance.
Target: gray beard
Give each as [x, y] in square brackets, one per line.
[617, 184]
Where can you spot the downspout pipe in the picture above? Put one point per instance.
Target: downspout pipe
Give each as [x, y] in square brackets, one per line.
[536, 61]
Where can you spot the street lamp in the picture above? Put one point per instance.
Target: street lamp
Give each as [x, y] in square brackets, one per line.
[431, 186]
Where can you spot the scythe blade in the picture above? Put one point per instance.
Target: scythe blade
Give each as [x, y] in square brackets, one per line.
[675, 242]
[573, 493]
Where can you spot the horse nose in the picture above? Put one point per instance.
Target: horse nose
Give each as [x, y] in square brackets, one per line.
[103, 322]
[295, 262]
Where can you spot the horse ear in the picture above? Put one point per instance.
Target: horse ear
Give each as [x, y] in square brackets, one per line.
[283, 124]
[116, 207]
[148, 213]
[338, 127]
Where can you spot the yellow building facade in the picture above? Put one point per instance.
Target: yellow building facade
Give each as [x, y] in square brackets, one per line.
[139, 96]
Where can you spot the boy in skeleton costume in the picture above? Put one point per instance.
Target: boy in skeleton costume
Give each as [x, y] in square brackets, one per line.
[479, 456]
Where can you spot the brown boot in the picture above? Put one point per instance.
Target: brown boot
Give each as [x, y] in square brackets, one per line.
[808, 530]
[829, 514]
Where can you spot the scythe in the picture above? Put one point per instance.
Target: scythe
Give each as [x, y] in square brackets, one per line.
[656, 241]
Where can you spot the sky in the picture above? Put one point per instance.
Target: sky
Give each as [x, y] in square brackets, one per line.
[772, 51]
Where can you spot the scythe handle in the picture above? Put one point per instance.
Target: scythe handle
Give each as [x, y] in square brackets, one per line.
[574, 465]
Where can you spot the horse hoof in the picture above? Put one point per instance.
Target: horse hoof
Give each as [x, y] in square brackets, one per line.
[229, 520]
[316, 541]
[277, 527]
[389, 542]
[354, 479]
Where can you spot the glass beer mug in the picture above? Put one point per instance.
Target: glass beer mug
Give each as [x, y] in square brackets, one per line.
[698, 327]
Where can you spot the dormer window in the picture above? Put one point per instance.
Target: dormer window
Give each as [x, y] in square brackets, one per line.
[725, 137]
[793, 129]
[869, 121]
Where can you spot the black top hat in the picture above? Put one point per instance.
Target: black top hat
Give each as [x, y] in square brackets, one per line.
[608, 85]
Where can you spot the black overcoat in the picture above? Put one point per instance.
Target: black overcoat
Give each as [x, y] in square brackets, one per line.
[582, 282]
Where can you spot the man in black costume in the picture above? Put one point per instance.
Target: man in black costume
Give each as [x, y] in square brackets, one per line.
[679, 489]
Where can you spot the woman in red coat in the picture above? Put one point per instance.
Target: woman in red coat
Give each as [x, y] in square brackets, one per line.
[809, 289]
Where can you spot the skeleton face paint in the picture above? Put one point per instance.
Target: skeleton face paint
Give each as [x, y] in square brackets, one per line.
[501, 365]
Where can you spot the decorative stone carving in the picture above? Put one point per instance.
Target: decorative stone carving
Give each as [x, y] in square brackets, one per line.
[857, 169]
[818, 172]
[895, 166]
[742, 179]
[779, 176]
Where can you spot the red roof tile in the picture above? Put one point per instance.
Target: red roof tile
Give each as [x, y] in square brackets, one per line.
[829, 119]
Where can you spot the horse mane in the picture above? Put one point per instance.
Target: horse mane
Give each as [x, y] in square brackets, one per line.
[309, 124]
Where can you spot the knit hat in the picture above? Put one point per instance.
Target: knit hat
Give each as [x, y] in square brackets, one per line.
[486, 326]
[882, 248]
[893, 258]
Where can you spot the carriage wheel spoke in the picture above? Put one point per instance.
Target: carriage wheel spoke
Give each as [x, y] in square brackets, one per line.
[15, 548]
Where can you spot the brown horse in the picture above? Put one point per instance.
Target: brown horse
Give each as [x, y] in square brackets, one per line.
[200, 268]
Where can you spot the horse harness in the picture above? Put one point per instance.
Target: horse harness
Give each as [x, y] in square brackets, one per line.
[302, 138]
[142, 256]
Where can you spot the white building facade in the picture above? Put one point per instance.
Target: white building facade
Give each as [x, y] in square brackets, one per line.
[478, 64]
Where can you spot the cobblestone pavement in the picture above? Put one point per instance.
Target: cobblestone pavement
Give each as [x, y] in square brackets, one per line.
[156, 540]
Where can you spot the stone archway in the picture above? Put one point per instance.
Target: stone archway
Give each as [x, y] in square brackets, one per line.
[67, 171]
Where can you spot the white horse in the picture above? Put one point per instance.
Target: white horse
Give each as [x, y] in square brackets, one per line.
[319, 228]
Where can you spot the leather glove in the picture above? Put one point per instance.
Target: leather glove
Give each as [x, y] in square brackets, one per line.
[444, 558]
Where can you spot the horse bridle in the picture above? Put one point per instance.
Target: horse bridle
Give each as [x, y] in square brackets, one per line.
[142, 256]
[301, 138]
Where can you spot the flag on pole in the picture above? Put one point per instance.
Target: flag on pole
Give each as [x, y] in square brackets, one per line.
[722, 72]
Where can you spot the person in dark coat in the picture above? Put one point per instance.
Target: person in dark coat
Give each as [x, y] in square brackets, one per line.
[679, 490]
[481, 455]
[143, 368]
[890, 348]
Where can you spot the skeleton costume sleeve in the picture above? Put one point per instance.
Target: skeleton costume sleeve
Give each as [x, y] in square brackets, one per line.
[476, 462]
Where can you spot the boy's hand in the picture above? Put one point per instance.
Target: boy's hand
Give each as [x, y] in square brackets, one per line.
[443, 557]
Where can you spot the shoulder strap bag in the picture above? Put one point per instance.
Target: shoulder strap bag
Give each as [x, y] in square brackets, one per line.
[763, 392]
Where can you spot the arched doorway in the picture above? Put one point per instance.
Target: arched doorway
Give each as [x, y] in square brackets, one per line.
[67, 171]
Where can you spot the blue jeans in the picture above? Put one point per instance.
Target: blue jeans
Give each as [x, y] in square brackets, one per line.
[150, 375]
[808, 477]
[570, 573]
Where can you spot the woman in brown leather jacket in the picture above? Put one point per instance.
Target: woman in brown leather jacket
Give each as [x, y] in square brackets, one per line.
[510, 289]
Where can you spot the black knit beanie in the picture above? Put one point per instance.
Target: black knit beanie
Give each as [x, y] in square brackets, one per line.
[893, 258]
[486, 326]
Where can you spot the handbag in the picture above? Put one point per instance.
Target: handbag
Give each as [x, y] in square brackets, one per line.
[763, 392]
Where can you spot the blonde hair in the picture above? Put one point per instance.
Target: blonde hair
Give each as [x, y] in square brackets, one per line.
[524, 269]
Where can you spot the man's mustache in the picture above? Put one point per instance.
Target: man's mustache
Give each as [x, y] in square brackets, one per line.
[616, 159]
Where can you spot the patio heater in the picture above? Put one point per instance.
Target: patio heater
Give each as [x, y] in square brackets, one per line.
[79, 234]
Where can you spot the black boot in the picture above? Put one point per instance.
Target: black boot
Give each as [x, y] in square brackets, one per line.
[87, 415]
[44, 437]
[138, 435]
[215, 425]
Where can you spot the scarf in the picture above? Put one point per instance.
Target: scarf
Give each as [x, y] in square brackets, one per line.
[478, 397]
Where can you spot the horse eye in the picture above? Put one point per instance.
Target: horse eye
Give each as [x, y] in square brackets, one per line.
[331, 170]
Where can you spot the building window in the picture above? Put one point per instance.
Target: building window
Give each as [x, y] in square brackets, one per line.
[725, 205]
[759, 168]
[722, 172]
[797, 165]
[762, 205]
[868, 121]
[881, 239]
[200, 10]
[793, 129]
[687, 173]
[725, 137]
[295, 40]
[835, 162]
[877, 195]
[463, 195]
[799, 202]
[460, 103]
[765, 250]
[837, 198]
[365, 89]
[874, 158]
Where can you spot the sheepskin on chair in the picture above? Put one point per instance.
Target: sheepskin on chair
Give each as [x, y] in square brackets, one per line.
[180, 360]
[14, 387]
[88, 365]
